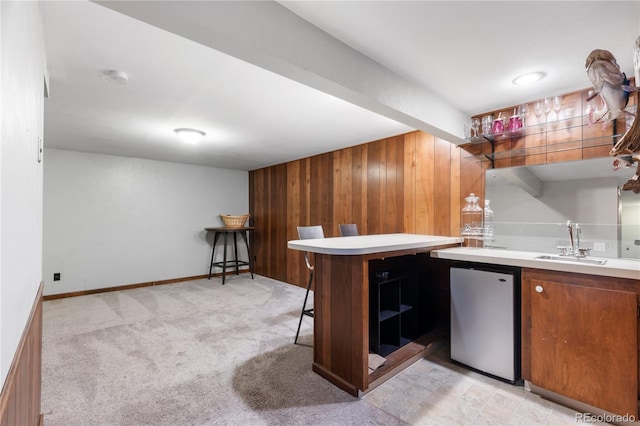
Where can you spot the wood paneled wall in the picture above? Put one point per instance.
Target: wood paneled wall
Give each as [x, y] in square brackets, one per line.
[408, 183]
[412, 183]
[20, 401]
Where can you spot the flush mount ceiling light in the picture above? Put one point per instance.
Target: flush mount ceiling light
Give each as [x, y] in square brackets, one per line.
[528, 78]
[116, 77]
[190, 135]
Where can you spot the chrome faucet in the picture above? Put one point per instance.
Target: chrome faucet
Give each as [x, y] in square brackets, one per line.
[570, 229]
[574, 249]
[579, 250]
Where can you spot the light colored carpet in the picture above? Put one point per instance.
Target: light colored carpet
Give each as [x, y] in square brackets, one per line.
[193, 353]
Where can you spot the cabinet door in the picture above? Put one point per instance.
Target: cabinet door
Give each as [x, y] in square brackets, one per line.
[584, 344]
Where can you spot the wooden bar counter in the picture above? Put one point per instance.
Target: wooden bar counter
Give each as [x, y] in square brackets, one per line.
[341, 304]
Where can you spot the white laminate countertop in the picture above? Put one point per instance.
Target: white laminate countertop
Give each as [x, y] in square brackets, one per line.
[619, 268]
[367, 244]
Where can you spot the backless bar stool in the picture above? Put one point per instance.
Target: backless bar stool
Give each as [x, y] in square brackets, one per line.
[307, 233]
[235, 262]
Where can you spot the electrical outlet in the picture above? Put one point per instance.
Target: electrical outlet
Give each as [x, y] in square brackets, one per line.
[600, 246]
[56, 276]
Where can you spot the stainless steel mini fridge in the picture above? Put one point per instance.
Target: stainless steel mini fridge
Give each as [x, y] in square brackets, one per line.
[485, 319]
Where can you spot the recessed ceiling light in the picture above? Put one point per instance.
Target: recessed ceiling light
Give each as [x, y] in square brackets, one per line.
[528, 78]
[190, 135]
[116, 77]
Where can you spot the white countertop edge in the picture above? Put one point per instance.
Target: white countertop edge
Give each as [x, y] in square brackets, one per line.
[617, 268]
[368, 244]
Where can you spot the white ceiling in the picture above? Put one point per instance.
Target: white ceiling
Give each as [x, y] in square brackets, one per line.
[283, 89]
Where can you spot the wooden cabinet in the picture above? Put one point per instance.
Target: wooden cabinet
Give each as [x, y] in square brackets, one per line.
[341, 338]
[580, 337]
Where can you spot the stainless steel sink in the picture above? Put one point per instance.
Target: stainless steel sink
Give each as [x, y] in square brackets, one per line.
[573, 259]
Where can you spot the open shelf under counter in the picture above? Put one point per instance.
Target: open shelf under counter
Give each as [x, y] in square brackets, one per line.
[342, 299]
[406, 355]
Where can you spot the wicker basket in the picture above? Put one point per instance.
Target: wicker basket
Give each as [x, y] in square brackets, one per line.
[234, 221]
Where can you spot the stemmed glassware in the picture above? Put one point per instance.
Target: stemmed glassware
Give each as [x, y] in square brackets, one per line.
[538, 109]
[487, 122]
[590, 107]
[557, 106]
[475, 125]
[547, 108]
[523, 110]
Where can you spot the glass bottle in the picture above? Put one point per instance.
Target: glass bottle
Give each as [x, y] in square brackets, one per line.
[471, 216]
[488, 221]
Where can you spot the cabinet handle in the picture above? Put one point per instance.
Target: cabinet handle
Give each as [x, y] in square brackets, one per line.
[539, 289]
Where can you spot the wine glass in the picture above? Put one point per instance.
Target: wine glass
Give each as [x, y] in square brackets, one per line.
[523, 110]
[589, 110]
[475, 125]
[487, 122]
[547, 108]
[557, 106]
[538, 109]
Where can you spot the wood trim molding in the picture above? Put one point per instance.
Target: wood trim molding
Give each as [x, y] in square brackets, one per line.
[132, 286]
[20, 400]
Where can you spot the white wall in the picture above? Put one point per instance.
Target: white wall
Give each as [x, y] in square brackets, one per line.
[525, 222]
[111, 221]
[587, 201]
[21, 88]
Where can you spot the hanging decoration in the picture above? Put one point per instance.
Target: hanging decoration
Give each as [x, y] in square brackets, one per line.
[612, 86]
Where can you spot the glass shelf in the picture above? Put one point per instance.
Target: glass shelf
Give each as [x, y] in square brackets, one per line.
[594, 142]
[564, 124]
[565, 134]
